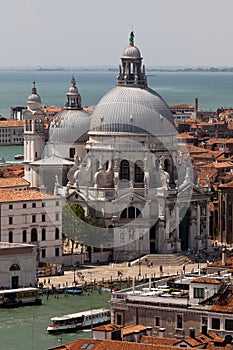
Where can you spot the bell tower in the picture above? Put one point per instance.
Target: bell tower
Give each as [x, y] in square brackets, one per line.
[34, 135]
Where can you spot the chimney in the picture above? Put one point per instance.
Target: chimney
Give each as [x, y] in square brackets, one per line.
[196, 105]
[192, 332]
[223, 256]
[204, 329]
[161, 332]
[137, 336]
[149, 331]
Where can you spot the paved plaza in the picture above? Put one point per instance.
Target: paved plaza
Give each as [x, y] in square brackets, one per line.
[105, 273]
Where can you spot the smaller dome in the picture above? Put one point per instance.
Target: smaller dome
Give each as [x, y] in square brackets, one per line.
[69, 126]
[131, 52]
[73, 97]
[34, 100]
[73, 90]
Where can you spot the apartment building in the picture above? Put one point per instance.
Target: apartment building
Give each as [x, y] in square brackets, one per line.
[29, 216]
[11, 132]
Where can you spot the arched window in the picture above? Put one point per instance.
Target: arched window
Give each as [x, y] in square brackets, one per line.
[24, 236]
[10, 238]
[57, 233]
[138, 171]
[229, 209]
[34, 235]
[167, 165]
[110, 229]
[124, 170]
[14, 267]
[131, 213]
[43, 234]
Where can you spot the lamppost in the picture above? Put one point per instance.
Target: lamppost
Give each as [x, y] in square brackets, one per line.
[91, 302]
[139, 268]
[74, 270]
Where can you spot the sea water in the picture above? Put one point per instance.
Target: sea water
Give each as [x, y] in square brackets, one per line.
[213, 89]
[24, 328]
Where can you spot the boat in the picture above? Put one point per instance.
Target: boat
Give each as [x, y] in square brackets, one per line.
[2, 160]
[19, 297]
[76, 291]
[79, 321]
[19, 156]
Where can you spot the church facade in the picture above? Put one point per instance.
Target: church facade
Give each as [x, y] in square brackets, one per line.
[131, 174]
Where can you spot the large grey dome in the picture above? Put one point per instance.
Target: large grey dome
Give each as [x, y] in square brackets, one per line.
[69, 126]
[131, 107]
[132, 110]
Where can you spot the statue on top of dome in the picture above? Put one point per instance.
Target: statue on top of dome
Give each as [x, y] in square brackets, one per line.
[131, 38]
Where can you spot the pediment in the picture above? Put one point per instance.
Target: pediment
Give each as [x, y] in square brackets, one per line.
[189, 189]
[130, 196]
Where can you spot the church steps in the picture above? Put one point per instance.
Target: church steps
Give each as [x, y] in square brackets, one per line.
[165, 259]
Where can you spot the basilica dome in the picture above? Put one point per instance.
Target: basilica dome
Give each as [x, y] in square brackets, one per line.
[132, 110]
[69, 126]
[72, 123]
[132, 107]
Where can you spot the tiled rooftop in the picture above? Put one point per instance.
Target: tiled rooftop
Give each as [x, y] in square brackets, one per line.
[206, 280]
[13, 182]
[25, 195]
[11, 123]
[131, 329]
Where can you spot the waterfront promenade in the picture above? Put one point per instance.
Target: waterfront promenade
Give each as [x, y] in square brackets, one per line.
[111, 272]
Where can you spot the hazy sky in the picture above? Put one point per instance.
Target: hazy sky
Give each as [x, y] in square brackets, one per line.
[87, 33]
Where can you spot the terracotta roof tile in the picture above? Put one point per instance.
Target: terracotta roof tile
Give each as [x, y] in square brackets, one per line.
[196, 149]
[52, 109]
[228, 185]
[184, 135]
[131, 329]
[158, 340]
[206, 280]
[108, 327]
[190, 341]
[182, 105]
[25, 195]
[13, 182]
[218, 165]
[11, 123]
[224, 304]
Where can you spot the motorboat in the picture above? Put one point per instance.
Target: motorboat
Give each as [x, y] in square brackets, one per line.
[79, 321]
[19, 156]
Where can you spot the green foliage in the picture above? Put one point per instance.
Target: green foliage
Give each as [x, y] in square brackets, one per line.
[80, 228]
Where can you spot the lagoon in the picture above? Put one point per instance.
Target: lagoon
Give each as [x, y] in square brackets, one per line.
[213, 89]
[24, 328]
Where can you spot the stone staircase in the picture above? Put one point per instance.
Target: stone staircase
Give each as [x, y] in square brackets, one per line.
[165, 259]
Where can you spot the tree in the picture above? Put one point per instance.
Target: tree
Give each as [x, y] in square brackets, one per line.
[85, 230]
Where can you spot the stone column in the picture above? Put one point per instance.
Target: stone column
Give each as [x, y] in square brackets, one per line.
[32, 156]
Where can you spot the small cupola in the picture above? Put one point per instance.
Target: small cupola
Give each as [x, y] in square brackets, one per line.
[34, 100]
[131, 71]
[73, 97]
